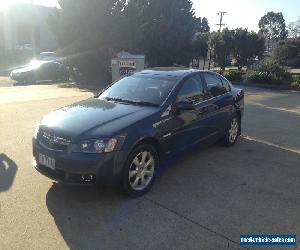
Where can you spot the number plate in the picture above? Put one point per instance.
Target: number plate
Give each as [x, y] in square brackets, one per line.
[47, 161]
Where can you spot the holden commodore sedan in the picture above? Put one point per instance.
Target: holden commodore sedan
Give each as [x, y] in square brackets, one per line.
[121, 135]
[38, 70]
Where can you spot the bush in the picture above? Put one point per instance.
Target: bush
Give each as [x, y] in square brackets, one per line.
[287, 52]
[271, 73]
[296, 83]
[219, 71]
[233, 75]
[258, 77]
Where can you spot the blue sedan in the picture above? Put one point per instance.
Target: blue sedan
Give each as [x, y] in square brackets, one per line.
[121, 135]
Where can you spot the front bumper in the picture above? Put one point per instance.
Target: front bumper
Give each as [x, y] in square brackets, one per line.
[78, 168]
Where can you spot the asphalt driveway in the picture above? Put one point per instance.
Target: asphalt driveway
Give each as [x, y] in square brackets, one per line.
[204, 199]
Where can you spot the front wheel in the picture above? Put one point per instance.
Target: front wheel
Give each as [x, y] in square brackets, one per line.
[140, 170]
[233, 132]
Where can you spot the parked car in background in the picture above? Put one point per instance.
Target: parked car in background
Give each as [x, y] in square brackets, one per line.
[38, 70]
[121, 135]
[49, 56]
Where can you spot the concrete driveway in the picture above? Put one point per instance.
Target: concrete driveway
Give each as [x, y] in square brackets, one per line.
[204, 200]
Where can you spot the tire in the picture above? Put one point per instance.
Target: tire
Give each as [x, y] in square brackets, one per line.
[141, 165]
[233, 132]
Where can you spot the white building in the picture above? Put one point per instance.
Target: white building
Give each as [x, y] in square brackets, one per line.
[25, 24]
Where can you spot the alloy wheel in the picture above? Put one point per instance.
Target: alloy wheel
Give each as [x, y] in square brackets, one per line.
[234, 129]
[141, 170]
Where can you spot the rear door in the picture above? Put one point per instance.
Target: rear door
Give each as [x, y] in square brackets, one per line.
[221, 98]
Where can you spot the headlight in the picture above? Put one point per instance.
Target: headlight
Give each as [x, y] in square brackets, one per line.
[96, 146]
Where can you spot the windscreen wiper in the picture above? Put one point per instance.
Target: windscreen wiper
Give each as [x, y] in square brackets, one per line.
[138, 102]
[116, 99]
[144, 103]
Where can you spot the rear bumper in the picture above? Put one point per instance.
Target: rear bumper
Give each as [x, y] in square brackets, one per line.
[81, 168]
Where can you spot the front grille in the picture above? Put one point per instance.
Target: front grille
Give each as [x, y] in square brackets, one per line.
[55, 174]
[49, 140]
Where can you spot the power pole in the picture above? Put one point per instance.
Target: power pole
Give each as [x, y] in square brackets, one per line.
[221, 14]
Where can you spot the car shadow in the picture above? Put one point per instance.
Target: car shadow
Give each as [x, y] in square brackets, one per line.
[8, 169]
[244, 189]
[83, 214]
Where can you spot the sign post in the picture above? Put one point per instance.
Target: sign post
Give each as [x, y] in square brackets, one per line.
[126, 64]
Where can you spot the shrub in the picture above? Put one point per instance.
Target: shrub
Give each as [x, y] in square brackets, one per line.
[233, 75]
[219, 71]
[287, 52]
[258, 77]
[271, 73]
[296, 83]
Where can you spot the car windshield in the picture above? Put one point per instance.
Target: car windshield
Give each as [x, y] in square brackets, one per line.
[140, 90]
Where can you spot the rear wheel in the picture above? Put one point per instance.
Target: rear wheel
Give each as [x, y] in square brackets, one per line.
[233, 132]
[140, 170]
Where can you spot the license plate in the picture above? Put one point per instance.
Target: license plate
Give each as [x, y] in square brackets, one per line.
[47, 161]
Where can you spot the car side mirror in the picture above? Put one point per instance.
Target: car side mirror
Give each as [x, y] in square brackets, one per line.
[185, 105]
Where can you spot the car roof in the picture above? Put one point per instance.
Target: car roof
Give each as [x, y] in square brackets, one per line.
[168, 72]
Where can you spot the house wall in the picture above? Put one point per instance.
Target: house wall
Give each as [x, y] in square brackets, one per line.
[19, 22]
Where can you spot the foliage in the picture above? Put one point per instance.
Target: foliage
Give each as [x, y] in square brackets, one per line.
[167, 29]
[246, 46]
[296, 83]
[233, 75]
[85, 31]
[240, 43]
[294, 29]
[90, 32]
[220, 46]
[270, 73]
[258, 77]
[272, 26]
[201, 25]
[287, 52]
[200, 44]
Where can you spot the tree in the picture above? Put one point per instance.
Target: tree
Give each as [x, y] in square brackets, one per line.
[200, 45]
[246, 46]
[287, 52]
[167, 29]
[89, 32]
[201, 25]
[220, 46]
[86, 32]
[272, 26]
[294, 29]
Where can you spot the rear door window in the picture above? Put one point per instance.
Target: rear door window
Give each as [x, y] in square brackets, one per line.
[192, 90]
[226, 83]
[214, 85]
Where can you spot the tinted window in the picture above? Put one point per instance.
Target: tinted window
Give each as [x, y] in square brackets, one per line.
[226, 83]
[214, 85]
[140, 88]
[192, 90]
